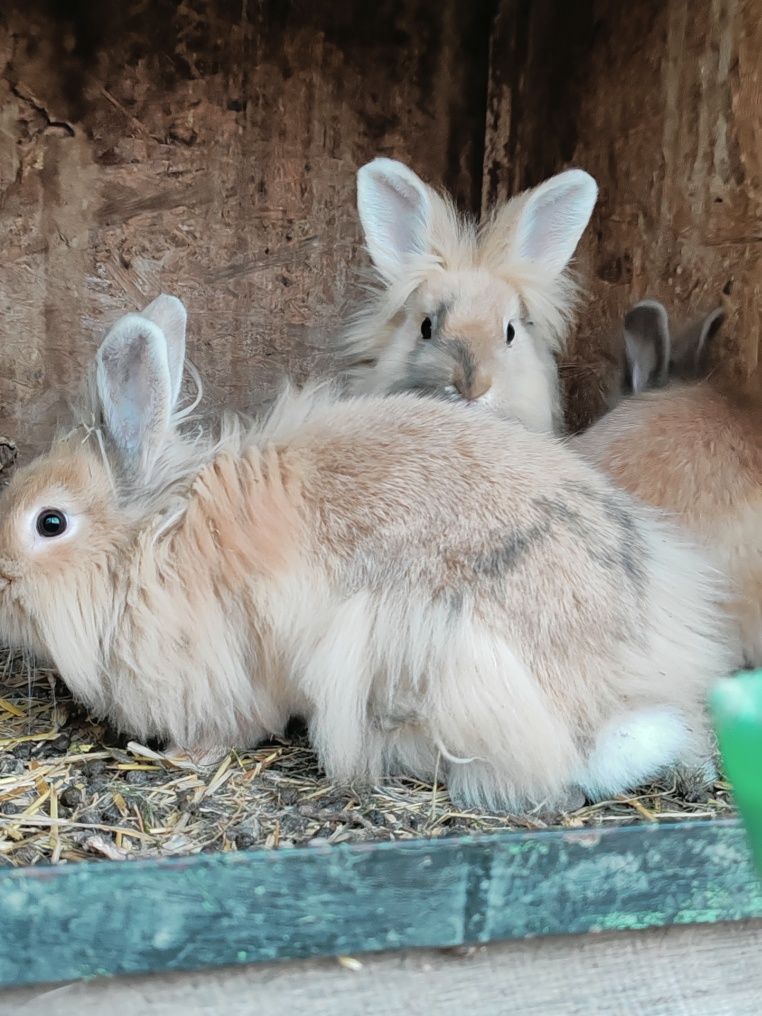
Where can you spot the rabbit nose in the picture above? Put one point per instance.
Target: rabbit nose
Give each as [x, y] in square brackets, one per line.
[473, 388]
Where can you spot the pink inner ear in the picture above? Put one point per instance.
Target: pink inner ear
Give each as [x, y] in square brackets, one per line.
[402, 217]
[134, 387]
[554, 218]
[394, 211]
[138, 406]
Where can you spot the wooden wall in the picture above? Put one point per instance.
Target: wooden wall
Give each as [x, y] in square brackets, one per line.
[661, 100]
[208, 148]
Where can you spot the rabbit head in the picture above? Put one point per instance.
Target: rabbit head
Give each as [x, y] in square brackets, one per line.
[69, 519]
[473, 314]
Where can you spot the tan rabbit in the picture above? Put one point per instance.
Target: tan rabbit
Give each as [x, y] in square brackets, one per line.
[467, 313]
[693, 448]
[424, 585]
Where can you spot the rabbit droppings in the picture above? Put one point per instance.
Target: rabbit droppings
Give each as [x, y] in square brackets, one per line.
[418, 582]
[692, 448]
[465, 312]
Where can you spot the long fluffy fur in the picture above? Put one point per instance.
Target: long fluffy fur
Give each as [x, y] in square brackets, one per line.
[692, 448]
[695, 451]
[458, 244]
[463, 251]
[419, 583]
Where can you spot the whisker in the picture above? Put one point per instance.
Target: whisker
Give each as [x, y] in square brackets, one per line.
[196, 377]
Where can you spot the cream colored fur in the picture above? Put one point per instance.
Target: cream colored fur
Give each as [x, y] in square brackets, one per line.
[471, 282]
[695, 451]
[427, 587]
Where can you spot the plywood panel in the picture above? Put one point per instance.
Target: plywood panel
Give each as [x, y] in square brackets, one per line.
[661, 101]
[209, 149]
[708, 971]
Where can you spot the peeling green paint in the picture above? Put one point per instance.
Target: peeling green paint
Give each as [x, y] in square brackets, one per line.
[85, 919]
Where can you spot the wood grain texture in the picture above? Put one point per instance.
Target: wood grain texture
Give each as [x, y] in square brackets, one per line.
[209, 149]
[662, 102]
[89, 919]
[694, 971]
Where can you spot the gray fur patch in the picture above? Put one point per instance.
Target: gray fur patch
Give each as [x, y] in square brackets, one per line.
[462, 355]
[439, 316]
[429, 369]
[625, 552]
[433, 365]
[631, 554]
[511, 549]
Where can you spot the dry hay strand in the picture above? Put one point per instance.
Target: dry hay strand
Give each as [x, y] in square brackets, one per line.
[72, 790]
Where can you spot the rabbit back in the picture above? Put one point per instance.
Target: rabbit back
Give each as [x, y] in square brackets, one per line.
[691, 446]
[497, 599]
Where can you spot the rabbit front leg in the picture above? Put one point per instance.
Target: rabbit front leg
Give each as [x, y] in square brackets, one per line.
[336, 677]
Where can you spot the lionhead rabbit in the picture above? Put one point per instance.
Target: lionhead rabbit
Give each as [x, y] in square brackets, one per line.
[420, 583]
[465, 312]
[693, 448]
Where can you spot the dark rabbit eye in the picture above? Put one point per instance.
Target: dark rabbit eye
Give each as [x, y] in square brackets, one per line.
[51, 522]
[426, 328]
[510, 332]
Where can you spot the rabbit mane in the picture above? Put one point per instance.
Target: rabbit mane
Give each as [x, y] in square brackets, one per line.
[171, 546]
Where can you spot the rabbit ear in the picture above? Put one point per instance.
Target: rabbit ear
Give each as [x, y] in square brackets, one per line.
[690, 346]
[395, 212]
[171, 317]
[647, 345]
[135, 389]
[553, 218]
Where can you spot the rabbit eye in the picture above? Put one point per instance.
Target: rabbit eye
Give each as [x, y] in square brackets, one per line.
[510, 333]
[426, 328]
[51, 522]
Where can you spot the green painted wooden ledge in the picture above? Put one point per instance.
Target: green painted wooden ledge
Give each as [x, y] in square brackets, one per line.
[94, 918]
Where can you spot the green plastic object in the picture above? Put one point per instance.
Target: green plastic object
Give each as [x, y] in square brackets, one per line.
[736, 705]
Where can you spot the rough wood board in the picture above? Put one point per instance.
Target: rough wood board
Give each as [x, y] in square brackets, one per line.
[694, 971]
[662, 102]
[209, 149]
[88, 919]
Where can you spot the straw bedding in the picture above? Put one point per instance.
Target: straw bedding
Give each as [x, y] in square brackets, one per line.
[71, 789]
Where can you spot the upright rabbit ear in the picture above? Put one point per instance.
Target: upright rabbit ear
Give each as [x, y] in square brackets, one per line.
[395, 211]
[647, 345]
[553, 217]
[690, 346]
[169, 314]
[136, 385]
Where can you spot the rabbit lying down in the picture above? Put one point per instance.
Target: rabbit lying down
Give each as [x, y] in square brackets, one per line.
[690, 445]
[424, 586]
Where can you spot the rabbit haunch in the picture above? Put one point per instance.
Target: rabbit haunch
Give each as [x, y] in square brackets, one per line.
[692, 446]
[419, 583]
[467, 312]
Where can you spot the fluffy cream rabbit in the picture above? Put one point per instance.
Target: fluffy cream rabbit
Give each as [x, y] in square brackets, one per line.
[418, 582]
[466, 312]
[693, 448]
